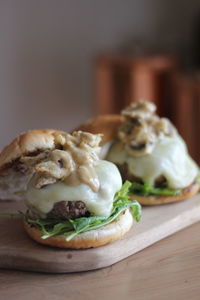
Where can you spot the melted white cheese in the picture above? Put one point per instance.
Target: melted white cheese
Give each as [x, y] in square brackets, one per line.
[42, 200]
[169, 158]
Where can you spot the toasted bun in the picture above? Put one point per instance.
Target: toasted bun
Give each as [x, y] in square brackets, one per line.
[106, 124]
[154, 200]
[90, 239]
[28, 143]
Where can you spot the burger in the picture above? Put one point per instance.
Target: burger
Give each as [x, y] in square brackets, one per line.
[149, 152]
[74, 199]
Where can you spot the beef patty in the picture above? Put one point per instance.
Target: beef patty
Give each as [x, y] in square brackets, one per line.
[68, 210]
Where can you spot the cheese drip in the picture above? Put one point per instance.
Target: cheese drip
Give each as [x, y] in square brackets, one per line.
[169, 159]
[41, 201]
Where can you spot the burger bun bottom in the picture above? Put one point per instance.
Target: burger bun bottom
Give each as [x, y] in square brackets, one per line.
[90, 239]
[188, 192]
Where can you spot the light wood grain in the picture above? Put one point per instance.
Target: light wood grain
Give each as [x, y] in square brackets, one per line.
[17, 251]
[169, 269]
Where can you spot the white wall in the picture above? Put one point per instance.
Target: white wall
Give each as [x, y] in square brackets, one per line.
[47, 50]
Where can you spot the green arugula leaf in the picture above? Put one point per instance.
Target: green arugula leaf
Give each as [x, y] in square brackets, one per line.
[96, 222]
[59, 228]
[124, 191]
[147, 190]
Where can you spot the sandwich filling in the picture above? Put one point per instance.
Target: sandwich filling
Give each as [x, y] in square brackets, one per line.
[100, 203]
[72, 190]
[151, 149]
[70, 181]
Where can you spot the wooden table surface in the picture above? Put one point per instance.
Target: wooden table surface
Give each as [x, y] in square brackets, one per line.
[169, 269]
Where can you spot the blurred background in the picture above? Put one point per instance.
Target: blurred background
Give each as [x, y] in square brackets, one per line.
[62, 62]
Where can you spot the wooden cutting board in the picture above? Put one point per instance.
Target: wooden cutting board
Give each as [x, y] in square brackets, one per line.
[18, 251]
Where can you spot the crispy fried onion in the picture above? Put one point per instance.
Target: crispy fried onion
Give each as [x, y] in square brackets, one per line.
[142, 128]
[72, 161]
